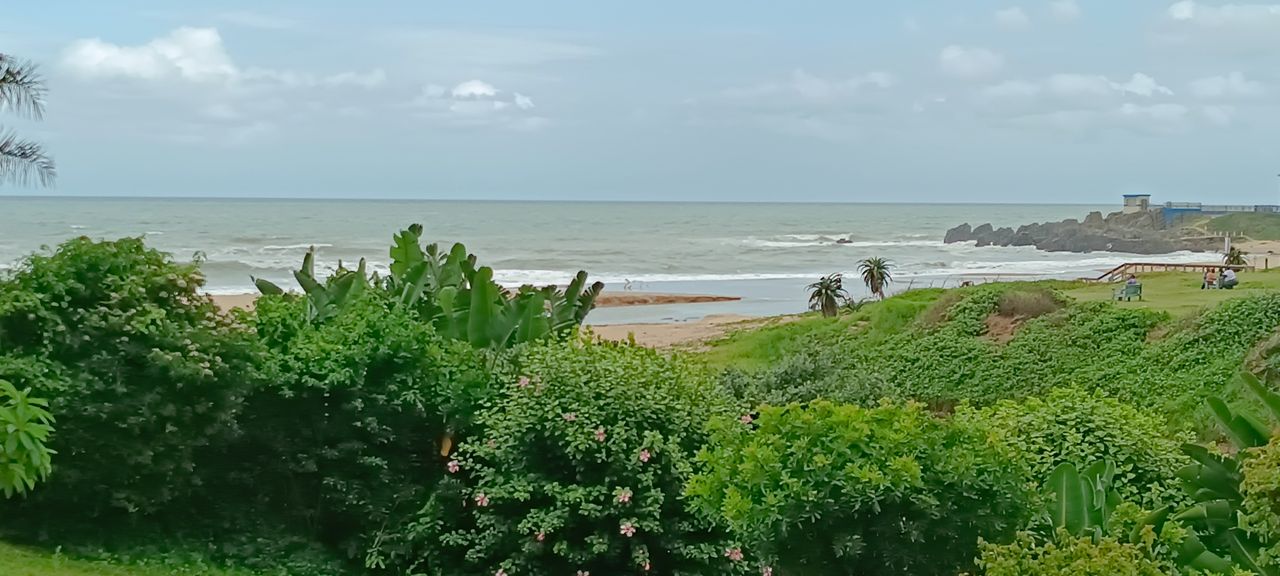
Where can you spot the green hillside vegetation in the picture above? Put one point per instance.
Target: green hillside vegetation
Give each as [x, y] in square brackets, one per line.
[427, 422]
[1255, 225]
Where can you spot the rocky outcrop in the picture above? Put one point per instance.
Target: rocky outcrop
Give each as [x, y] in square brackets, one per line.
[1139, 233]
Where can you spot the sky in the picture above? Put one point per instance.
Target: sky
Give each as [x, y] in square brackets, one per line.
[1044, 101]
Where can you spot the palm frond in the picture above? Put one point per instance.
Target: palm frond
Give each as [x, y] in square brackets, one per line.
[22, 161]
[22, 88]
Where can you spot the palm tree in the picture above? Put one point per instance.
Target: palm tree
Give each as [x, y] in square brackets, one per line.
[1234, 257]
[827, 294]
[22, 92]
[876, 275]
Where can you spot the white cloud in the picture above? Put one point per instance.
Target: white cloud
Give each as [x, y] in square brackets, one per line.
[251, 19]
[1143, 85]
[1077, 86]
[477, 103]
[969, 62]
[193, 54]
[1065, 10]
[808, 88]
[1012, 18]
[1233, 85]
[1224, 15]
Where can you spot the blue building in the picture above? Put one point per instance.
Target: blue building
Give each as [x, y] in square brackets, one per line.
[1173, 211]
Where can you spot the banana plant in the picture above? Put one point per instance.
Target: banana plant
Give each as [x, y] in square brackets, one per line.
[324, 299]
[1082, 502]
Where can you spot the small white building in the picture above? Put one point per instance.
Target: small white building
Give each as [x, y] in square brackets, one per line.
[1134, 203]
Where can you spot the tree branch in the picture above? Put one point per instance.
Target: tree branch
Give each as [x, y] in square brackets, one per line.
[22, 161]
[22, 89]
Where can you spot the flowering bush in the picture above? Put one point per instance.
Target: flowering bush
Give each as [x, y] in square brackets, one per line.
[143, 372]
[1077, 427]
[580, 470]
[828, 489]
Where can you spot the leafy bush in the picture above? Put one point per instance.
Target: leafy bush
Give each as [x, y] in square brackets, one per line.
[347, 433]
[1261, 507]
[828, 489]
[806, 377]
[1028, 303]
[581, 468]
[145, 374]
[1066, 555]
[1073, 426]
[25, 426]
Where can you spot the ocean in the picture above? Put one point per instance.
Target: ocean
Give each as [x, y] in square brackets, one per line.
[765, 253]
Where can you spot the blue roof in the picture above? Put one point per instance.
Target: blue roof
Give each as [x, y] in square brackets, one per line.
[1137, 195]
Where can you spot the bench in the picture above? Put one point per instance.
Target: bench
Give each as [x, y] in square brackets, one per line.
[1128, 292]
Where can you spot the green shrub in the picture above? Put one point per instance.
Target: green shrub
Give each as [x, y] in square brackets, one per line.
[345, 435]
[812, 375]
[1072, 426]
[1261, 508]
[581, 469]
[25, 426]
[828, 489]
[142, 370]
[1028, 303]
[1067, 555]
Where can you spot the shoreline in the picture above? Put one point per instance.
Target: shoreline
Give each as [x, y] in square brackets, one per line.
[605, 300]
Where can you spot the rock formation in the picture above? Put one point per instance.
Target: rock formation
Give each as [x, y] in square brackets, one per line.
[1137, 233]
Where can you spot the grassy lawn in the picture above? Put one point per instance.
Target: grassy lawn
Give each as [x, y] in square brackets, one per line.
[1179, 293]
[18, 561]
[1254, 225]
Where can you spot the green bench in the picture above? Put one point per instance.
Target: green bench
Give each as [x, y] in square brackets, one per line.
[1128, 292]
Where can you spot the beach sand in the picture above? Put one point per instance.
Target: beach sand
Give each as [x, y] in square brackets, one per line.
[666, 335]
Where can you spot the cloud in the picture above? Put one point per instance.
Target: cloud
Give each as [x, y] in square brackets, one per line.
[1225, 15]
[1077, 86]
[969, 62]
[251, 19]
[476, 103]
[1012, 18]
[1065, 10]
[1219, 115]
[193, 54]
[1233, 85]
[469, 49]
[805, 88]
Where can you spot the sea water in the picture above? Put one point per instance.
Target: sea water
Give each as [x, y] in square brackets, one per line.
[764, 253]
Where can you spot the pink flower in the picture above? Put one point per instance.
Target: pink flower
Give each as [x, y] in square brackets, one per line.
[644, 455]
[734, 554]
[482, 500]
[540, 536]
[600, 434]
[524, 382]
[646, 566]
[746, 419]
[766, 571]
[570, 416]
[627, 529]
[500, 572]
[583, 573]
[453, 466]
[624, 496]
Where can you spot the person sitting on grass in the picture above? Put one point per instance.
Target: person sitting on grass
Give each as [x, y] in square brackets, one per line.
[1132, 281]
[1229, 279]
[1210, 280]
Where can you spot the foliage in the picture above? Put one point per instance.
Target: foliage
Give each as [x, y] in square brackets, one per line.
[16, 561]
[349, 432]
[876, 274]
[1066, 554]
[22, 91]
[804, 378]
[828, 489]
[585, 454]
[1260, 504]
[826, 295]
[25, 426]
[144, 373]
[1077, 427]
[1028, 303]
[1235, 257]
[447, 289]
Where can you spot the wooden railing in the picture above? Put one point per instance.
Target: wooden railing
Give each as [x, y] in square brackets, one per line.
[1123, 270]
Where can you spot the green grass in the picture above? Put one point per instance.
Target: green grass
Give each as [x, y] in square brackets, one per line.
[764, 345]
[1178, 293]
[1254, 225]
[18, 561]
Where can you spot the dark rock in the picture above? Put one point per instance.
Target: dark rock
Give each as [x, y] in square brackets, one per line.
[1095, 220]
[844, 241]
[961, 233]
[983, 230]
[1137, 233]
